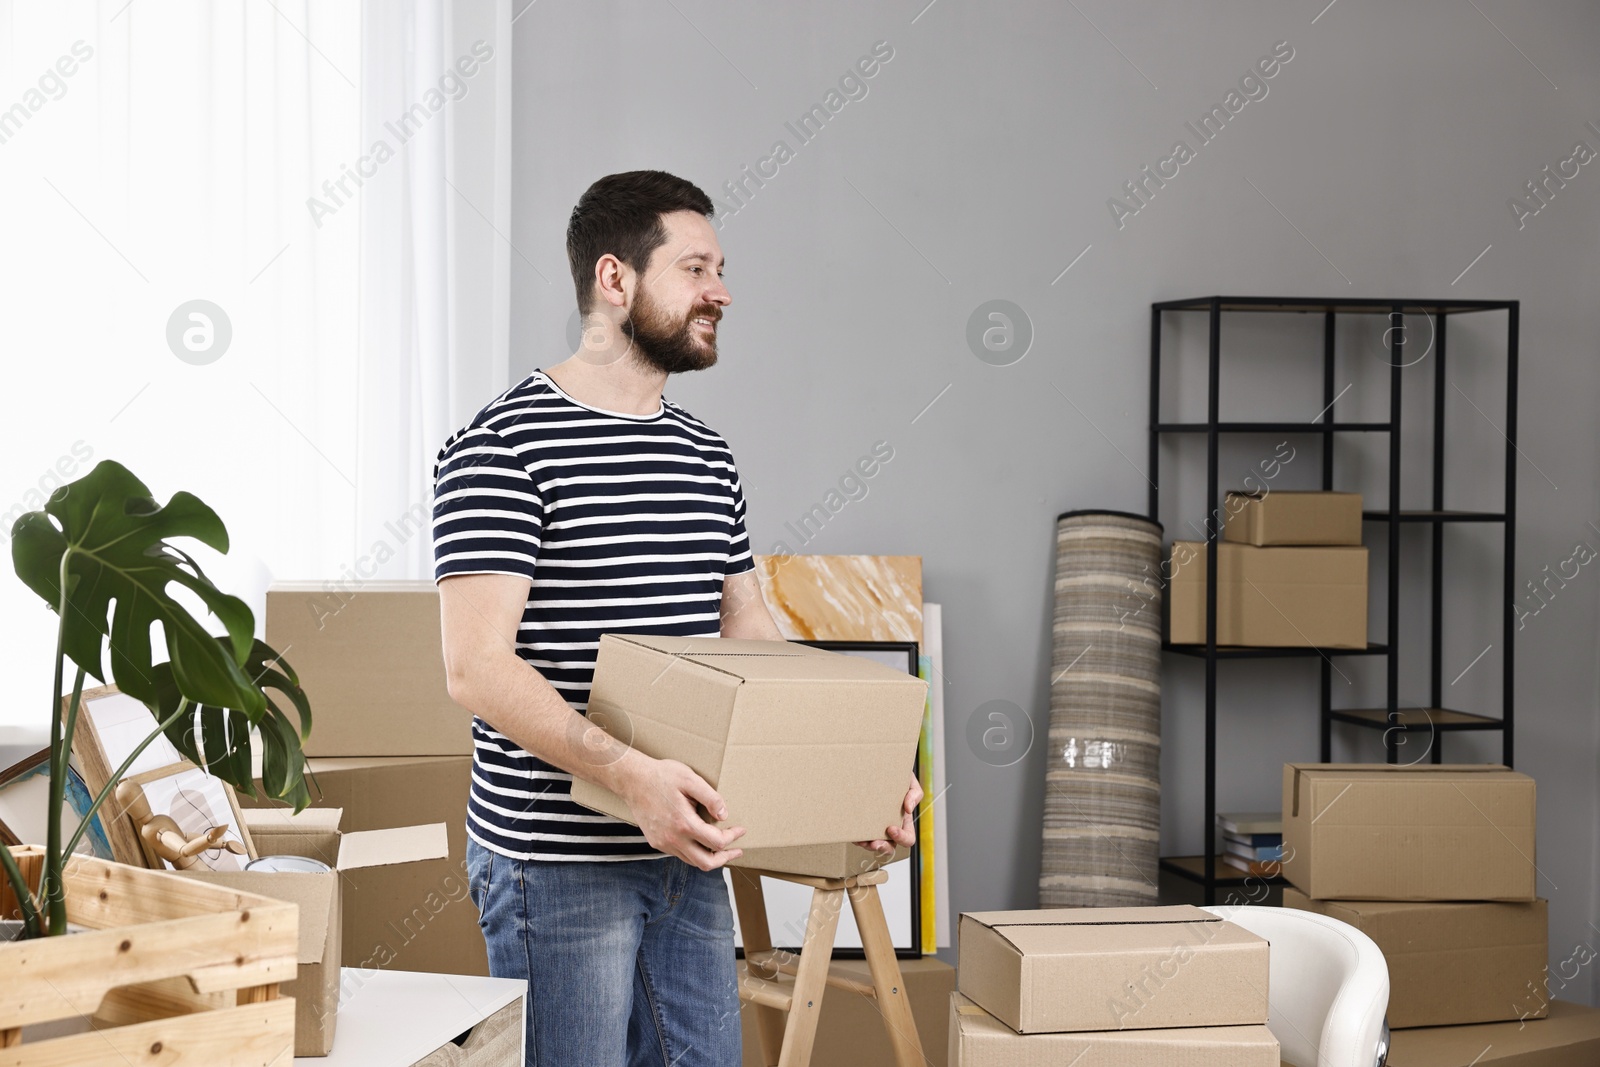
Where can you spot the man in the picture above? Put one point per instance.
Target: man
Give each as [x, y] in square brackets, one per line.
[582, 501]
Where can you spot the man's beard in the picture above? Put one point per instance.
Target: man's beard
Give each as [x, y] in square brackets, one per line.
[668, 345]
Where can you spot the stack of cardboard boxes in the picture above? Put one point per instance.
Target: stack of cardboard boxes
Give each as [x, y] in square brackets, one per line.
[1436, 865]
[1293, 574]
[391, 749]
[1117, 987]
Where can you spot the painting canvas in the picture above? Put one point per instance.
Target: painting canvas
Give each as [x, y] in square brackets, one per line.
[111, 725]
[25, 804]
[198, 802]
[118, 723]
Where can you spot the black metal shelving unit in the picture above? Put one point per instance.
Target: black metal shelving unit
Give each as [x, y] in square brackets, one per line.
[1392, 719]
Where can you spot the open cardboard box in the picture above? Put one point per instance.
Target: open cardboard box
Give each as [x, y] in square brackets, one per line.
[314, 833]
[413, 916]
[806, 746]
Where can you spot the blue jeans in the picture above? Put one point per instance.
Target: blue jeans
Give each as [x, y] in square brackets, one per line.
[628, 963]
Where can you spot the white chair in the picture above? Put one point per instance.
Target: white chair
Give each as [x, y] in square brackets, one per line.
[1328, 987]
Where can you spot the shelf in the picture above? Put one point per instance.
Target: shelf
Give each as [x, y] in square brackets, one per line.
[1275, 427]
[1337, 305]
[1244, 652]
[1419, 719]
[1177, 434]
[1194, 869]
[1437, 516]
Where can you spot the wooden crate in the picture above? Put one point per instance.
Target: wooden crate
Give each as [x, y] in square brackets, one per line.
[30, 860]
[170, 970]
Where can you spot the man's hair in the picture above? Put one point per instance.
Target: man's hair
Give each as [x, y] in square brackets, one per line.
[621, 214]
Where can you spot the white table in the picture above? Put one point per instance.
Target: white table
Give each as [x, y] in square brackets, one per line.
[394, 1018]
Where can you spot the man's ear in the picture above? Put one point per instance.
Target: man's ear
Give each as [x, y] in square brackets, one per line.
[614, 280]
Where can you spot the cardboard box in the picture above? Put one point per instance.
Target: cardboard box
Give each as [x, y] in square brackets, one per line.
[978, 1039]
[850, 1028]
[415, 917]
[1271, 597]
[372, 663]
[1076, 969]
[315, 833]
[1375, 831]
[806, 746]
[1451, 963]
[822, 861]
[1293, 517]
[1568, 1037]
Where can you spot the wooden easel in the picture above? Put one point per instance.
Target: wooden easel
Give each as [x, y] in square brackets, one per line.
[787, 1010]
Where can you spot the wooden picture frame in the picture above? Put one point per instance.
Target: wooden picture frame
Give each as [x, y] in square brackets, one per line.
[109, 726]
[195, 800]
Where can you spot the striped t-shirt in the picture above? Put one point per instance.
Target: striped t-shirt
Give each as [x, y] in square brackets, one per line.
[623, 524]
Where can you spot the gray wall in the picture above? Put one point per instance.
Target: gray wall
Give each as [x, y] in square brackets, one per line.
[978, 166]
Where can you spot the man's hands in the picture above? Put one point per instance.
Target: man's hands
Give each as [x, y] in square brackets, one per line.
[662, 794]
[904, 834]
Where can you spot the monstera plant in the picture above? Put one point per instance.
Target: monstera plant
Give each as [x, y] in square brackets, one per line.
[98, 555]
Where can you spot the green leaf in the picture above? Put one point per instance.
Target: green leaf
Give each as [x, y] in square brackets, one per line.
[223, 746]
[106, 534]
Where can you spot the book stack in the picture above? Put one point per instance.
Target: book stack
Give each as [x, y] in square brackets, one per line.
[1252, 841]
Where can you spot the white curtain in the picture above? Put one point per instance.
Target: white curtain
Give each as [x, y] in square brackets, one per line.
[151, 155]
[435, 260]
[166, 151]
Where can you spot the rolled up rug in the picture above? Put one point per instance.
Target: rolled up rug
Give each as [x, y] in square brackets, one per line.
[1102, 802]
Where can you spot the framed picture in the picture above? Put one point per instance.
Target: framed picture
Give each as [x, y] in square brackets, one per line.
[189, 804]
[110, 726]
[25, 807]
[788, 904]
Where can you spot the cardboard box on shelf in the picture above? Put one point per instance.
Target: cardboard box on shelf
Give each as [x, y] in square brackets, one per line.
[316, 833]
[1451, 963]
[850, 1028]
[1375, 831]
[1293, 517]
[1073, 969]
[1271, 597]
[978, 1039]
[806, 747]
[416, 917]
[1568, 1037]
[371, 661]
